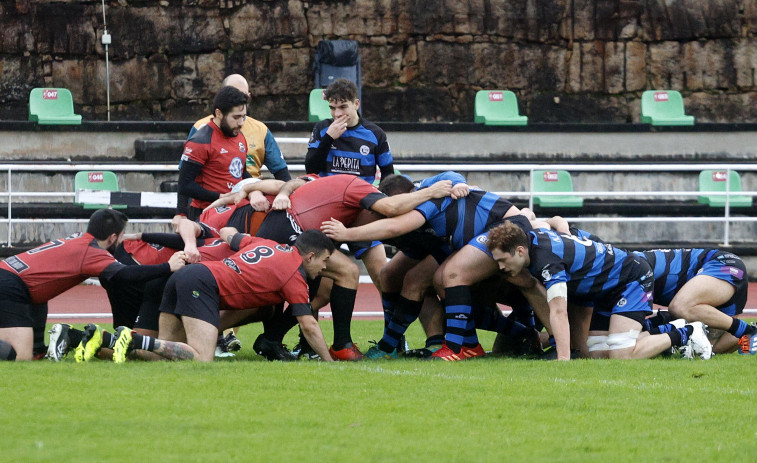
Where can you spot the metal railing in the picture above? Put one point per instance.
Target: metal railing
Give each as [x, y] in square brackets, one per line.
[727, 218]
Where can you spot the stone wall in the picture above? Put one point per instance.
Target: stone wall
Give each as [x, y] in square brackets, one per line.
[568, 60]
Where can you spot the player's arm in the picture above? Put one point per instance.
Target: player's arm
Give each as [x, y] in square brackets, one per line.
[189, 232]
[188, 185]
[120, 273]
[391, 206]
[312, 332]
[274, 159]
[378, 230]
[557, 298]
[281, 201]
[318, 151]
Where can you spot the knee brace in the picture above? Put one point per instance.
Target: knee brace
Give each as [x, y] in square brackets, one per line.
[624, 340]
[7, 352]
[597, 343]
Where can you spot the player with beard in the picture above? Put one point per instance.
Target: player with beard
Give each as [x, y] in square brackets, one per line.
[38, 275]
[214, 157]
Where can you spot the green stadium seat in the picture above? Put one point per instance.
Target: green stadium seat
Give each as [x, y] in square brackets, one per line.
[318, 108]
[555, 181]
[715, 180]
[497, 107]
[663, 107]
[104, 180]
[52, 106]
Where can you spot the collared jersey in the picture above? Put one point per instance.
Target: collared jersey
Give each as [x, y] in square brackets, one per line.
[462, 219]
[589, 268]
[221, 157]
[339, 196]
[358, 151]
[262, 148]
[262, 273]
[59, 265]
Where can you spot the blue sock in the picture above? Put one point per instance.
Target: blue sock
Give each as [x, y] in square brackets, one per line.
[405, 313]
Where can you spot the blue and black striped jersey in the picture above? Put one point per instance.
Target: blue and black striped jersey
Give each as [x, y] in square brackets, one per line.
[589, 268]
[463, 219]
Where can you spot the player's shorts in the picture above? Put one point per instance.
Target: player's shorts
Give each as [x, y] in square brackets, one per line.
[479, 242]
[281, 227]
[192, 292]
[632, 300]
[730, 268]
[358, 248]
[16, 305]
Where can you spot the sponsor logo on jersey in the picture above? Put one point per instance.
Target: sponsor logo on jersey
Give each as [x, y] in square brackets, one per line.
[184, 157]
[482, 239]
[733, 271]
[622, 302]
[345, 165]
[242, 148]
[546, 276]
[195, 294]
[235, 169]
[365, 150]
[224, 151]
[232, 265]
[187, 150]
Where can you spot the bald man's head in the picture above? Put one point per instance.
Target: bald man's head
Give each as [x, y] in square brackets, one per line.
[237, 81]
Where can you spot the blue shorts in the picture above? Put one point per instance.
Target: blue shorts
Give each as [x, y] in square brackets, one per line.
[729, 268]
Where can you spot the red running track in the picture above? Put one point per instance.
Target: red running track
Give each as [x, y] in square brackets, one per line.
[92, 299]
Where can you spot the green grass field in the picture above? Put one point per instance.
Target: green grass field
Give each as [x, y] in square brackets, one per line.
[498, 410]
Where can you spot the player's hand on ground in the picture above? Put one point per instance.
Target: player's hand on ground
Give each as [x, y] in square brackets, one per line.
[258, 201]
[334, 229]
[177, 260]
[460, 190]
[441, 189]
[338, 127]
[281, 202]
[192, 254]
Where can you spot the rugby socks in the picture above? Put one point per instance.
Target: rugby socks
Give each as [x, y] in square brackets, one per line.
[142, 342]
[388, 303]
[342, 305]
[663, 317]
[109, 340]
[661, 329]
[39, 319]
[740, 328]
[279, 325]
[461, 329]
[436, 340]
[405, 313]
[680, 336]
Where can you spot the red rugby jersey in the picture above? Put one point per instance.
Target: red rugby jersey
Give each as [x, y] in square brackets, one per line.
[245, 219]
[262, 273]
[222, 159]
[59, 265]
[150, 254]
[339, 196]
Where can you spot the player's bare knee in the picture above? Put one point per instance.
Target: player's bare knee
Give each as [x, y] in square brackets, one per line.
[621, 345]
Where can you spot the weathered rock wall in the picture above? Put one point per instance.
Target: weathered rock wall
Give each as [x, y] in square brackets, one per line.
[568, 60]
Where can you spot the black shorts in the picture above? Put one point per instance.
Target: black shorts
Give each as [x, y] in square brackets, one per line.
[279, 226]
[192, 292]
[16, 305]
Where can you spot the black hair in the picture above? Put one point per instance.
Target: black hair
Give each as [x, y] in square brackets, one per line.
[105, 222]
[314, 241]
[228, 98]
[394, 184]
[341, 90]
